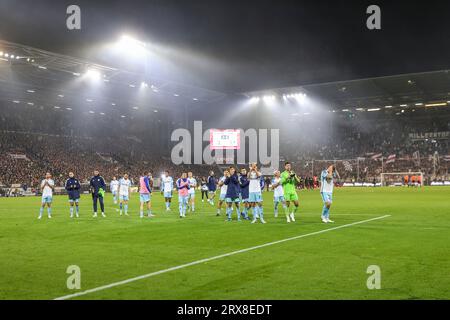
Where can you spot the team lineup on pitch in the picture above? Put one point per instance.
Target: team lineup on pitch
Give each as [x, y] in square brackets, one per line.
[242, 189]
[173, 258]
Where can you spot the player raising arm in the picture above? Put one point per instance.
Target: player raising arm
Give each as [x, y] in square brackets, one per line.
[278, 195]
[192, 186]
[288, 180]
[73, 190]
[183, 194]
[326, 191]
[255, 193]
[47, 187]
[232, 195]
[244, 185]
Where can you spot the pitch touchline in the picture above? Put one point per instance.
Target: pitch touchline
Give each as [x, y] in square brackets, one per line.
[148, 275]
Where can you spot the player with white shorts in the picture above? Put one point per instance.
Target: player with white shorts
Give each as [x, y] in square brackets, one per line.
[278, 194]
[167, 188]
[223, 192]
[191, 191]
[326, 191]
[114, 187]
[47, 187]
[145, 194]
[124, 193]
[255, 193]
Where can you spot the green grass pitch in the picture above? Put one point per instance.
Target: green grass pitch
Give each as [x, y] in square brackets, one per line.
[411, 247]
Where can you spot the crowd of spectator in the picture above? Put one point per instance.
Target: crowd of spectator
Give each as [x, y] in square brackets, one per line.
[60, 154]
[350, 145]
[25, 157]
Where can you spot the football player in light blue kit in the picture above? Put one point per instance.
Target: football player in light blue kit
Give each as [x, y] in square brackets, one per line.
[255, 188]
[124, 193]
[192, 186]
[223, 192]
[114, 187]
[326, 190]
[278, 195]
[183, 194]
[47, 187]
[167, 188]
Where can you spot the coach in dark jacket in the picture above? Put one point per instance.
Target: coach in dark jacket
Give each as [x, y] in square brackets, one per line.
[98, 187]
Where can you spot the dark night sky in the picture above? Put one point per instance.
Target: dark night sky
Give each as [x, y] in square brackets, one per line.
[248, 44]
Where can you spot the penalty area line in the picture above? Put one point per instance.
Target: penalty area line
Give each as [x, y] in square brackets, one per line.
[152, 274]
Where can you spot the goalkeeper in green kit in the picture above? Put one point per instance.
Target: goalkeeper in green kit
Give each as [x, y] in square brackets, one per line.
[289, 180]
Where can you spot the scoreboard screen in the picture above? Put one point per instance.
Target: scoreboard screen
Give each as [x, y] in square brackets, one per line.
[224, 139]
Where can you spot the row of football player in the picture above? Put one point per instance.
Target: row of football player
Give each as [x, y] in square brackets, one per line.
[243, 189]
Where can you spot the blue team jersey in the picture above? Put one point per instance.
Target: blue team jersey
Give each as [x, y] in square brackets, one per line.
[211, 183]
[244, 183]
[73, 188]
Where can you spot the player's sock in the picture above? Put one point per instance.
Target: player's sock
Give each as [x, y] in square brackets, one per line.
[149, 213]
[193, 207]
[293, 213]
[229, 212]
[255, 212]
[77, 211]
[126, 209]
[49, 212]
[71, 212]
[261, 214]
[245, 212]
[141, 213]
[180, 209]
[324, 212]
[238, 213]
[41, 210]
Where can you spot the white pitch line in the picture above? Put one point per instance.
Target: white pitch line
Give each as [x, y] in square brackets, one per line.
[148, 275]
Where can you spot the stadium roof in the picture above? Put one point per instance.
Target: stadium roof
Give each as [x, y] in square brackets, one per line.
[50, 76]
[426, 88]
